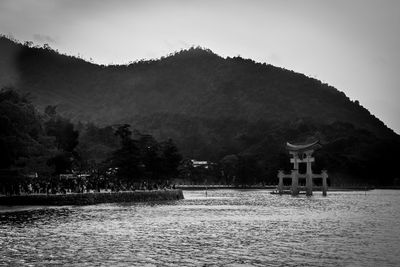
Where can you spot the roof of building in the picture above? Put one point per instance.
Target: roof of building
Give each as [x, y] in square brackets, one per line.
[303, 147]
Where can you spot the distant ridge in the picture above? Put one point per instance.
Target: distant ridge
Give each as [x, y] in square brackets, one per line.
[194, 76]
[212, 106]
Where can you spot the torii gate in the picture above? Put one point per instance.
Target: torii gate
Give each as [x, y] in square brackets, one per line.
[302, 154]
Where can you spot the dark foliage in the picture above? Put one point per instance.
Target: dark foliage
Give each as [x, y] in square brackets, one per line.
[212, 107]
[36, 149]
[142, 158]
[25, 147]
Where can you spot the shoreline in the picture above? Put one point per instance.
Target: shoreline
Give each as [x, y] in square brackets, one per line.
[331, 189]
[80, 199]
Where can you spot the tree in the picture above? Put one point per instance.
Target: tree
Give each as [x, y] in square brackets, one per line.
[51, 110]
[143, 157]
[150, 154]
[229, 166]
[249, 170]
[124, 132]
[126, 160]
[62, 162]
[63, 131]
[171, 158]
[24, 145]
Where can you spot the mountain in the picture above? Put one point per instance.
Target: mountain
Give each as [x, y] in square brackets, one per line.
[211, 106]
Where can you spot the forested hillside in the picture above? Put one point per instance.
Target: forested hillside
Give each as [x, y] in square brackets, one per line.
[212, 107]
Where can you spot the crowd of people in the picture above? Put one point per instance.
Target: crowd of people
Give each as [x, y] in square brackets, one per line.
[78, 185]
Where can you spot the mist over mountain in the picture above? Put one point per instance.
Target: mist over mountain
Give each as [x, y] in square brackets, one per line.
[211, 106]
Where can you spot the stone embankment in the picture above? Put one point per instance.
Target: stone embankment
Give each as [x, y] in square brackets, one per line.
[92, 198]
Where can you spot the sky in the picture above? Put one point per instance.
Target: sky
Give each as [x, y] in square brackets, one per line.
[352, 45]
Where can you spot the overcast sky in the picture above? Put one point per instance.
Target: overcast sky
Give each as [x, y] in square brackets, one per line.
[352, 45]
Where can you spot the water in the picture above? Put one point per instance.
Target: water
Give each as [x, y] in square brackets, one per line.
[228, 228]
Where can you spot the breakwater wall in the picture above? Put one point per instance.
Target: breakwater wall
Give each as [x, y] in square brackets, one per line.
[218, 187]
[92, 198]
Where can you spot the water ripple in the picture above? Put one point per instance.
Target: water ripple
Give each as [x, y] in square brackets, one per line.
[226, 228]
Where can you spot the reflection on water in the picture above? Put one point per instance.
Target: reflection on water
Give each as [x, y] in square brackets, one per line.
[229, 227]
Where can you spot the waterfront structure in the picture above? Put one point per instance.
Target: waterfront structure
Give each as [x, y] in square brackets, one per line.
[302, 154]
[201, 163]
[91, 198]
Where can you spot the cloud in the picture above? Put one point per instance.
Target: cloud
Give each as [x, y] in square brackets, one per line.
[43, 38]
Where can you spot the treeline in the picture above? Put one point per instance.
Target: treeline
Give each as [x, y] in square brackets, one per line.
[51, 154]
[35, 148]
[256, 150]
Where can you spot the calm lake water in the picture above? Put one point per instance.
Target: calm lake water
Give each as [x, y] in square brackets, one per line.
[227, 228]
